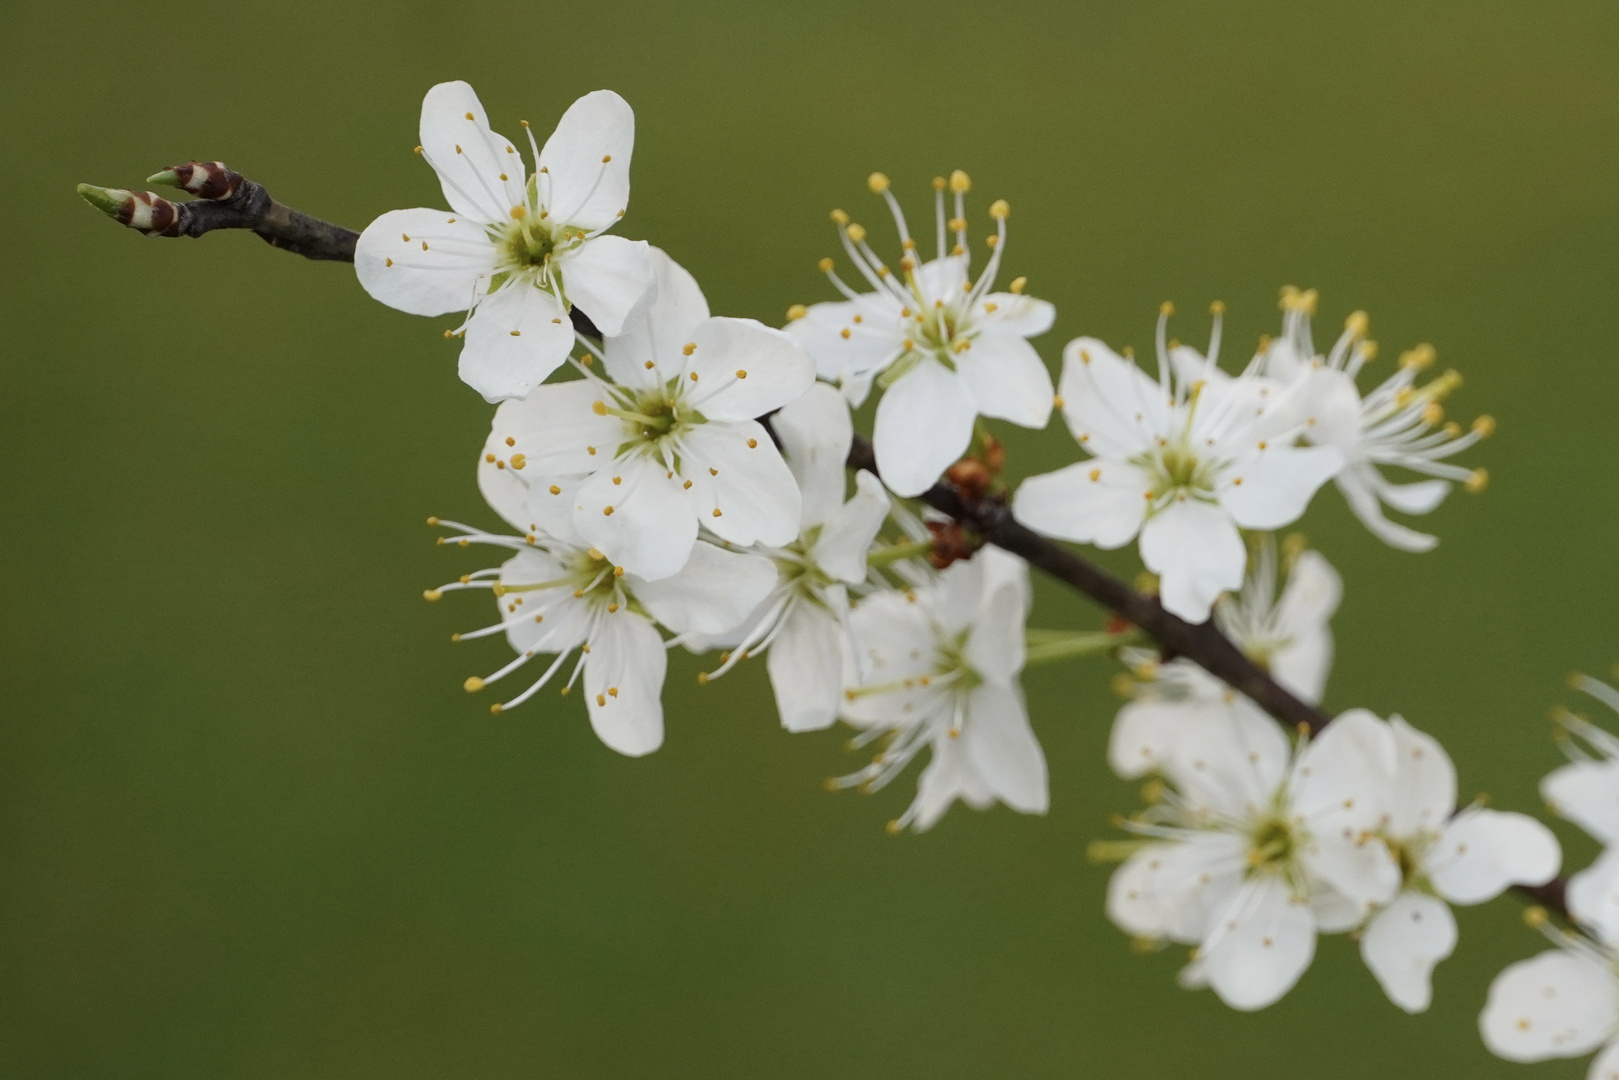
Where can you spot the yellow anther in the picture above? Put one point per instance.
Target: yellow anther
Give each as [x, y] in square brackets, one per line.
[601, 699]
[469, 116]
[1478, 481]
[612, 691]
[494, 710]
[831, 784]
[741, 373]
[555, 490]
[472, 685]
[1123, 685]
[796, 312]
[618, 571]
[857, 232]
[938, 183]
[1451, 429]
[957, 249]
[1153, 791]
[1357, 323]
[877, 182]
[1166, 308]
[1294, 545]
[1056, 400]
[1484, 426]
[825, 265]
[894, 827]
[599, 408]
[1419, 357]
[607, 511]
[519, 460]
[418, 150]
[992, 240]
[1535, 917]
[1017, 285]
[455, 637]
[999, 208]
[596, 555]
[717, 511]
[957, 224]
[649, 365]
[606, 158]
[617, 480]
[432, 521]
[1432, 413]
[688, 348]
[960, 182]
[1217, 308]
[432, 594]
[753, 444]
[840, 218]
[702, 678]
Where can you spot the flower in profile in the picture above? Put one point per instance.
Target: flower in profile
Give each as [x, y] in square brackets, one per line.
[803, 623]
[1397, 424]
[558, 597]
[1182, 462]
[1254, 850]
[1289, 635]
[939, 670]
[1464, 858]
[634, 458]
[517, 250]
[945, 348]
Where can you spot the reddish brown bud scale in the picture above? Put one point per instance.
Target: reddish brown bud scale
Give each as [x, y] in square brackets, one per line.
[951, 543]
[969, 476]
[207, 179]
[151, 214]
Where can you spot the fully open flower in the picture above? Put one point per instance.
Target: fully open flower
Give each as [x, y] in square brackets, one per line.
[633, 460]
[803, 622]
[1399, 423]
[941, 668]
[1183, 462]
[1464, 858]
[557, 597]
[1251, 853]
[518, 250]
[946, 349]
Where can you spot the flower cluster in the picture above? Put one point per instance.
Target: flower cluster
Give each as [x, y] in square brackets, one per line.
[677, 479]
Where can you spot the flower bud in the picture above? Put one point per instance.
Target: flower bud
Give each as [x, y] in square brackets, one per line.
[204, 179]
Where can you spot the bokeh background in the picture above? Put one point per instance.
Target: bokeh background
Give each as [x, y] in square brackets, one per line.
[252, 826]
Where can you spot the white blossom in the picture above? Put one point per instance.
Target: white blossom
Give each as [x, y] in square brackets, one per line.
[945, 348]
[517, 251]
[1257, 849]
[1182, 462]
[1464, 858]
[634, 459]
[1397, 424]
[803, 623]
[556, 595]
[940, 671]
[1586, 791]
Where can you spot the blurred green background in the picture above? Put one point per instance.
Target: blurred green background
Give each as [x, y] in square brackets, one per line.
[253, 827]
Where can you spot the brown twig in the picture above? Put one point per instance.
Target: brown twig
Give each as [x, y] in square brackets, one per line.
[228, 200]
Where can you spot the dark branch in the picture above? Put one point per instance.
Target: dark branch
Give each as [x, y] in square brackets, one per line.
[228, 200]
[225, 200]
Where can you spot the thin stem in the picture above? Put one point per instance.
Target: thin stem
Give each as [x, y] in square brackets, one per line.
[1075, 645]
[910, 549]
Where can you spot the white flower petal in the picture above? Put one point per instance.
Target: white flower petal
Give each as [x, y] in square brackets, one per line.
[1358, 484]
[1017, 314]
[924, 424]
[652, 526]
[1109, 404]
[1001, 745]
[623, 682]
[1404, 942]
[502, 486]
[745, 369]
[1008, 379]
[1481, 852]
[554, 428]
[738, 472]
[1422, 794]
[1309, 601]
[1145, 733]
[805, 662]
[516, 337]
[658, 330]
[1101, 502]
[1421, 497]
[468, 157]
[713, 593]
[1174, 890]
[1593, 897]
[842, 346]
[840, 549]
[1277, 484]
[1556, 1005]
[1605, 1066]
[1586, 793]
[949, 775]
[1229, 762]
[424, 262]
[943, 279]
[580, 185]
[1259, 945]
[816, 433]
[566, 620]
[608, 277]
[995, 646]
[1340, 779]
[1197, 553]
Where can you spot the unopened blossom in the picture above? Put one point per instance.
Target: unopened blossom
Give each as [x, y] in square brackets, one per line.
[939, 670]
[1255, 850]
[561, 598]
[1586, 791]
[1288, 634]
[1399, 423]
[1183, 462]
[517, 250]
[1464, 858]
[945, 348]
[659, 436]
[803, 624]
[1564, 1003]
